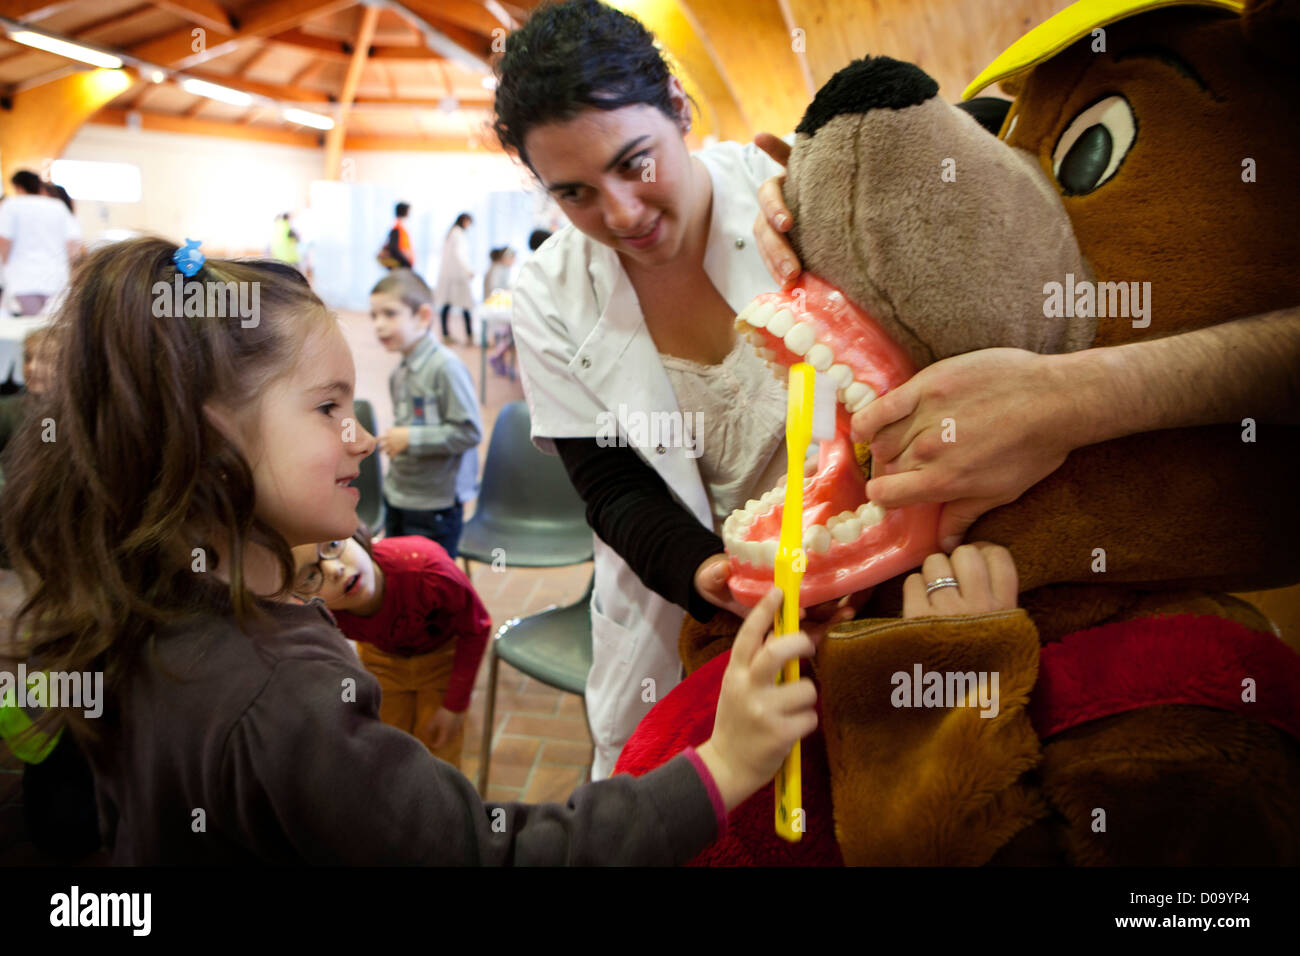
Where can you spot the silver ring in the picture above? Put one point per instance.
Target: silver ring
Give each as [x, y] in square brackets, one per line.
[938, 583]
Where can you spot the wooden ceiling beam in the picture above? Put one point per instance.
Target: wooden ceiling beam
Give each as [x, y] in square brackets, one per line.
[403, 53]
[30, 11]
[471, 50]
[171, 123]
[308, 72]
[754, 52]
[952, 40]
[40, 122]
[260, 54]
[423, 102]
[136, 96]
[719, 111]
[310, 43]
[469, 15]
[334, 137]
[115, 23]
[177, 48]
[423, 144]
[275, 91]
[204, 13]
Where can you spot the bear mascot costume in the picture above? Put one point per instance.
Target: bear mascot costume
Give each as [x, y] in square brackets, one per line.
[1129, 711]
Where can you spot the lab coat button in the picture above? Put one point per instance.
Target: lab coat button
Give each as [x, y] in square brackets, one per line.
[586, 362]
[740, 242]
[661, 449]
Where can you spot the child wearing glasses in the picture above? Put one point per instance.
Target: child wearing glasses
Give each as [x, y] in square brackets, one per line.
[420, 625]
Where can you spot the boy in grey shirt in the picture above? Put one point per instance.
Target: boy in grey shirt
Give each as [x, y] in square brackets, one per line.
[433, 468]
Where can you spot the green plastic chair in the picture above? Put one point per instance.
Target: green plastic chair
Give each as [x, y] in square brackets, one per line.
[528, 514]
[370, 509]
[552, 646]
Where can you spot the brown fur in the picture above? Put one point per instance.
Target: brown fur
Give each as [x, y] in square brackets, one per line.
[1181, 514]
[920, 806]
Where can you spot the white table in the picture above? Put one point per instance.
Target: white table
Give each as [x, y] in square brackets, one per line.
[487, 314]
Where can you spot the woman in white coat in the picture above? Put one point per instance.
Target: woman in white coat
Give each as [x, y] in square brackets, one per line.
[629, 311]
[454, 275]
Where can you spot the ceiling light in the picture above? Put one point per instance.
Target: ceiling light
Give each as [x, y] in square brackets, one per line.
[72, 51]
[214, 92]
[315, 120]
[157, 76]
[489, 82]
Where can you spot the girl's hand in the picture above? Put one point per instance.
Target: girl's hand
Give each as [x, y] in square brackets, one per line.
[443, 726]
[758, 721]
[395, 441]
[986, 581]
[774, 219]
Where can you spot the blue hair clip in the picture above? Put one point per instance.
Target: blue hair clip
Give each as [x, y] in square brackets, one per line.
[188, 258]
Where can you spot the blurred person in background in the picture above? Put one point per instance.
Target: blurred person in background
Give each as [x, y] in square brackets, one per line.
[39, 238]
[454, 276]
[498, 274]
[398, 252]
[284, 241]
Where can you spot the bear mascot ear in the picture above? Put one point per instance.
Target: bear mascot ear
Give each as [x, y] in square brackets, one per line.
[1272, 28]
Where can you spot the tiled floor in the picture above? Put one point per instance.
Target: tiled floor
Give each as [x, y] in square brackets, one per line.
[541, 747]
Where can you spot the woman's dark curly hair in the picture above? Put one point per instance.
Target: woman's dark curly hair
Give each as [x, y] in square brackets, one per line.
[573, 56]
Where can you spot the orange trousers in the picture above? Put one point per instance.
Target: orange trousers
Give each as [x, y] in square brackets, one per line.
[413, 689]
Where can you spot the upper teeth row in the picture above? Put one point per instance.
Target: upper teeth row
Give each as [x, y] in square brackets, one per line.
[845, 527]
[801, 339]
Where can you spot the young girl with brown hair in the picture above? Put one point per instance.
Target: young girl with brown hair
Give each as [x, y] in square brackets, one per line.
[153, 536]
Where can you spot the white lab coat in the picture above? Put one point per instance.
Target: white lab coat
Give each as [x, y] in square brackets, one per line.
[454, 273]
[584, 349]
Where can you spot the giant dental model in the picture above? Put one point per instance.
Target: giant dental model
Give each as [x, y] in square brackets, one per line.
[849, 543]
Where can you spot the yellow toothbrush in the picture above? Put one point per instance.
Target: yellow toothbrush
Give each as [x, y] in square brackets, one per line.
[811, 409]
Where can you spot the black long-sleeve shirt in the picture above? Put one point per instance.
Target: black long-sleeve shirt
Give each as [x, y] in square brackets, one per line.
[633, 511]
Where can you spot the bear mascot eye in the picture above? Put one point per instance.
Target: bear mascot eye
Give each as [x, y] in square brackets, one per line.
[1093, 145]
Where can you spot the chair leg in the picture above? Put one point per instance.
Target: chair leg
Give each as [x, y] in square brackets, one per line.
[465, 561]
[587, 718]
[489, 720]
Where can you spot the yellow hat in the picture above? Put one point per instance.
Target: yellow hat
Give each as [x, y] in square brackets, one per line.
[1077, 20]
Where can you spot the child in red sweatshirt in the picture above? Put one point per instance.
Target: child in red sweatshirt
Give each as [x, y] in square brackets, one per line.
[421, 628]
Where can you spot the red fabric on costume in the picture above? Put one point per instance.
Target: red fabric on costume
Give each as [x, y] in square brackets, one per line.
[1181, 659]
[685, 719]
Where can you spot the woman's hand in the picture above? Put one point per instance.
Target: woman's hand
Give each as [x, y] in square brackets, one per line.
[974, 430]
[712, 582]
[774, 219]
[758, 721]
[986, 581]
